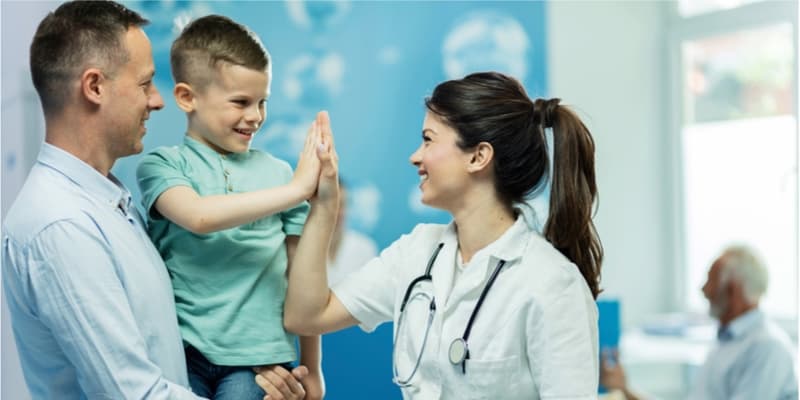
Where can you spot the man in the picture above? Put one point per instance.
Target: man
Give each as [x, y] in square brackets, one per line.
[753, 357]
[90, 300]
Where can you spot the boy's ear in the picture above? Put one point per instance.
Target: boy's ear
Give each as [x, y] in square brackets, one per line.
[184, 96]
[481, 157]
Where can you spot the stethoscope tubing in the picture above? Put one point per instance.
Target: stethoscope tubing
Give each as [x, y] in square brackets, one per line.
[432, 309]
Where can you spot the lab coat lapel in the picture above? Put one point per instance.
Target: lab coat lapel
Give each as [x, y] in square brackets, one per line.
[442, 271]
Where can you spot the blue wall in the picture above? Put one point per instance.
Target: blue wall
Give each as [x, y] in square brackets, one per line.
[370, 64]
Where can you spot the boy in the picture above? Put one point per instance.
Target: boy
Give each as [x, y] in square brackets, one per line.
[225, 218]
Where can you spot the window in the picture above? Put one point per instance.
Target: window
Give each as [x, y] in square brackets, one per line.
[738, 144]
[688, 8]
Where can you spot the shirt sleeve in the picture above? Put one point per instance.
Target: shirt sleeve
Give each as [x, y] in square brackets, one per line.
[294, 218]
[79, 296]
[563, 341]
[369, 293]
[157, 172]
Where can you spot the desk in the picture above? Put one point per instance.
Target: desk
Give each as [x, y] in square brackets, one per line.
[662, 366]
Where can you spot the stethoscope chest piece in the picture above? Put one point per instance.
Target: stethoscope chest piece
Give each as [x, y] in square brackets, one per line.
[458, 351]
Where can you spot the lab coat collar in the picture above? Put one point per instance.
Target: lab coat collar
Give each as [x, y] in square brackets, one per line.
[509, 247]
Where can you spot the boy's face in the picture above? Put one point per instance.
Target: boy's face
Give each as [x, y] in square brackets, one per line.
[230, 110]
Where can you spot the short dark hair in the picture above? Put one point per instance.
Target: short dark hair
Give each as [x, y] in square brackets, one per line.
[212, 39]
[494, 108]
[76, 35]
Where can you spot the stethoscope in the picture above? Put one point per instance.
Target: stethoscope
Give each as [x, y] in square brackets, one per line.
[458, 353]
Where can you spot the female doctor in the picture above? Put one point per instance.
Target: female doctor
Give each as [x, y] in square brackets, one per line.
[498, 303]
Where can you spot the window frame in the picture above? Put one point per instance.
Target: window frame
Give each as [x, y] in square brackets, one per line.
[681, 29]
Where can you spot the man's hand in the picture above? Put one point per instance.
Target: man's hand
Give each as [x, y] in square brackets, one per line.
[612, 375]
[279, 383]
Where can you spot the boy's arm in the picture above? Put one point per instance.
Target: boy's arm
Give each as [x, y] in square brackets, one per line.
[310, 346]
[205, 214]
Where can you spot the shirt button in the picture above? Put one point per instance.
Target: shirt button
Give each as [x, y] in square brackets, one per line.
[226, 172]
[230, 188]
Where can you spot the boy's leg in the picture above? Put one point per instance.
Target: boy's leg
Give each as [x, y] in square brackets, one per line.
[239, 384]
[201, 373]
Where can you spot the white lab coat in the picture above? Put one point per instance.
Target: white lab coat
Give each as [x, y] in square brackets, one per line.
[535, 336]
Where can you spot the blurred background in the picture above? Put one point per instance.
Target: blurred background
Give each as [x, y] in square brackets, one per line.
[692, 104]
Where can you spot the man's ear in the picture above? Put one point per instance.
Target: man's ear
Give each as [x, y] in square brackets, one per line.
[735, 288]
[93, 85]
[481, 157]
[184, 96]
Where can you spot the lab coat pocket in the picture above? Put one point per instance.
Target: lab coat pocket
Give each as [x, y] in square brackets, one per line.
[493, 379]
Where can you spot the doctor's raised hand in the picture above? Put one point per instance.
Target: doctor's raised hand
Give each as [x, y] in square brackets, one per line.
[327, 194]
[499, 303]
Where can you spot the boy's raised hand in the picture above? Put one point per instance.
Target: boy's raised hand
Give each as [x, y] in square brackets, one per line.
[306, 175]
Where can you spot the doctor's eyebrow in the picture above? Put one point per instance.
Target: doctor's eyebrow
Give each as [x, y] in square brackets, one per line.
[428, 130]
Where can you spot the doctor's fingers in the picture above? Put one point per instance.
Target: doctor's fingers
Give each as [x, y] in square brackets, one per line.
[313, 139]
[280, 384]
[325, 132]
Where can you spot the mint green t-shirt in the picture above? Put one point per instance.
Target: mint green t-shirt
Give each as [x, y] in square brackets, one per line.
[229, 285]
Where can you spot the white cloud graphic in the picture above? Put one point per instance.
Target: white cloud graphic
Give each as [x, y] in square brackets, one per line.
[486, 41]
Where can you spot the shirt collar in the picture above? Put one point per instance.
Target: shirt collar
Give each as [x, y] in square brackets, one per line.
[108, 189]
[509, 246]
[207, 151]
[740, 325]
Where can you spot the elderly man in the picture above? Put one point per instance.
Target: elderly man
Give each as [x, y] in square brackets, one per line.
[753, 358]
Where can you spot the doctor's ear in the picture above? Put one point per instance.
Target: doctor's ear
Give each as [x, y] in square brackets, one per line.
[184, 96]
[481, 157]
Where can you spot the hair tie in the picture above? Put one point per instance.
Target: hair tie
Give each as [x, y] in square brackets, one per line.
[545, 111]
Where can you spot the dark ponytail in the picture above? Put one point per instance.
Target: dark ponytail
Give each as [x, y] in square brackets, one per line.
[569, 225]
[494, 108]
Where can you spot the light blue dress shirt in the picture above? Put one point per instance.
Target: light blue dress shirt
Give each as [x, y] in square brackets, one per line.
[753, 360]
[90, 299]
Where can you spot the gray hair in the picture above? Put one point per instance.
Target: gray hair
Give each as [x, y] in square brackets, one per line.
[743, 264]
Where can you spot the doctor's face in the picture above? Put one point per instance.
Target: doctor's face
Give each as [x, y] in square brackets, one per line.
[441, 164]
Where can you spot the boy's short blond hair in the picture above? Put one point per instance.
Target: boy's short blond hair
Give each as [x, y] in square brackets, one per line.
[209, 41]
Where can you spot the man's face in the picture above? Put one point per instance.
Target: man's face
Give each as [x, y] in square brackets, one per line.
[132, 96]
[714, 291]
